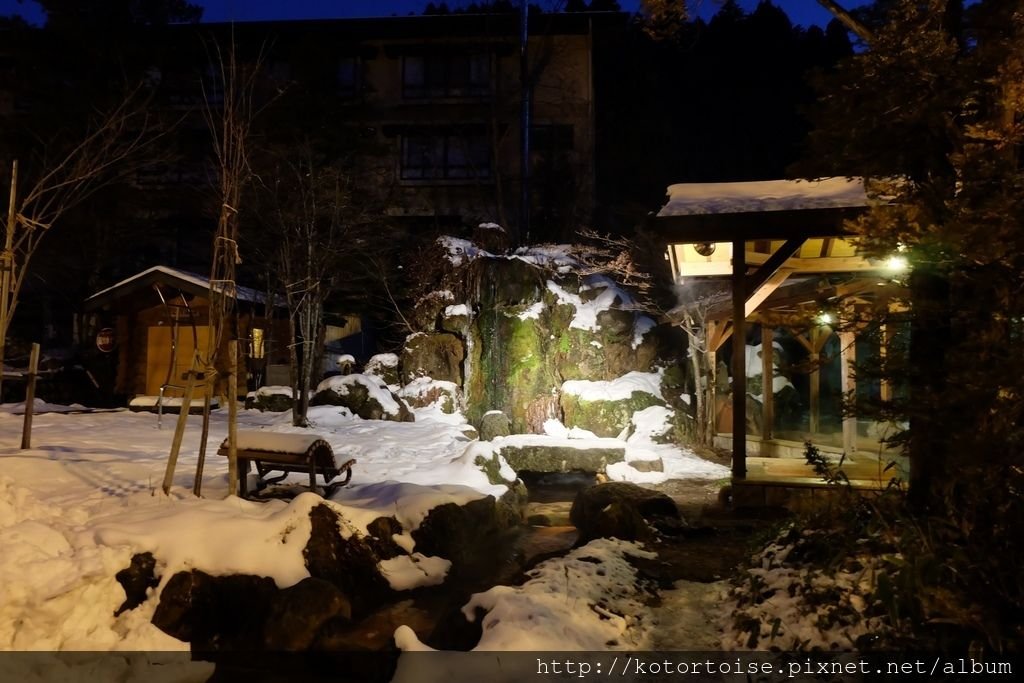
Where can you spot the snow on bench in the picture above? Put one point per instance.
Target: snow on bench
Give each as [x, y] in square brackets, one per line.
[286, 452]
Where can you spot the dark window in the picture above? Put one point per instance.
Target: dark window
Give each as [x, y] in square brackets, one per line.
[443, 156]
[452, 75]
[348, 76]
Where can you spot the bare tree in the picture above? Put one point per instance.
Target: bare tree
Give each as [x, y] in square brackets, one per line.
[112, 148]
[324, 229]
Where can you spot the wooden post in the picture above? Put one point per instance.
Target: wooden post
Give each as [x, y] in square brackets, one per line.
[7, 266]
[767, 382]
[30, 397]
[819, 335]
[848, 385]
[197, 485]
[885, 387]
[233, 417]
[739, 361]
[179, 428]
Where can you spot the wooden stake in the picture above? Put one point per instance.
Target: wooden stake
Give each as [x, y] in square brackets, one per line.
[197, 485]
[739, 361]
[30, 397]
[233, 417]
[179, 428]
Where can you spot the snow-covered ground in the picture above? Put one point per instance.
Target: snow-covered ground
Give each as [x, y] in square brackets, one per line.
[87, 496]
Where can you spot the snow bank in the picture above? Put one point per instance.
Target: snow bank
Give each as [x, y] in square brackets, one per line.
[687, 199]
[589, 599]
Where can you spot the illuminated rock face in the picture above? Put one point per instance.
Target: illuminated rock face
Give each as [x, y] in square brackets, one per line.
[605, 418]
[510, 330]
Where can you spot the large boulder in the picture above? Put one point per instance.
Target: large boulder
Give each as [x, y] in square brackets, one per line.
[437, 355]
[215, 613]
[364, 395]
[472, 536]
[625, 511]
[426, 313]
[346, 560]
[297, 613]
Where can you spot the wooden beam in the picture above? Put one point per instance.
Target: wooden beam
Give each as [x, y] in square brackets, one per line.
[767, 382]
[757, 298]
[819, 336]
[739, 361]
[767, 269]
[740, 227]
[718, 332]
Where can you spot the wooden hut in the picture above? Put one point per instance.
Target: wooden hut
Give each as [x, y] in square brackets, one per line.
[161, 316]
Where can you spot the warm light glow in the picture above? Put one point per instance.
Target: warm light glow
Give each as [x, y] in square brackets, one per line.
[897, 263]
[824, 318]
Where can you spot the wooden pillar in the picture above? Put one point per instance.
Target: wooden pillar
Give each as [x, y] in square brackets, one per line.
[848, 385]
[885, 387]
[767, 382]
[739, 361]
[30, 397]
[815, 383]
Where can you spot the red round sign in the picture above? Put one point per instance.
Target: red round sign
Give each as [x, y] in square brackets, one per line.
[105, 339]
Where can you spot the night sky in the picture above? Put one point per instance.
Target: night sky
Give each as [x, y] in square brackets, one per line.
[802, 12]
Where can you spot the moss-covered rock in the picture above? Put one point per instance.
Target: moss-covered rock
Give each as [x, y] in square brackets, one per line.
[384, 366]
[558, 458]
[436, 355]
[605, 418]
[425, 391]
[426, 314]
[270, 399]
[493, 424]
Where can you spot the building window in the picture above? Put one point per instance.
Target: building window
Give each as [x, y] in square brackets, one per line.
[257, 348]
[446, 75]
[348, 76]
[445, 156]
[551, 138]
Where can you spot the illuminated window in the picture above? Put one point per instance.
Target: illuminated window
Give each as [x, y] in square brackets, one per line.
[257, 343]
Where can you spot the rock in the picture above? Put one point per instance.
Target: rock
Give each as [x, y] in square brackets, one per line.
[215, 613]
[469, 535]
[625, 511]
[469, 431]
[297, 613]
[427, 311]
[454, 632]
[423, 392]
[348, 563]
[655, 465]
[270, 402]
[136, 580]
[617, 324]
[365, 396]
[437, 355]
[385, 367]
[381, 531]
[494, 423]
[543, 458]
[491, 237]
[605, 418]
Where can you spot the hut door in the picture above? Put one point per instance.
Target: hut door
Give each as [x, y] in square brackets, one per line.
[159, 355]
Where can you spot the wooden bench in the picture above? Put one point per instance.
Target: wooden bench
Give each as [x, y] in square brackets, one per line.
[284, 453]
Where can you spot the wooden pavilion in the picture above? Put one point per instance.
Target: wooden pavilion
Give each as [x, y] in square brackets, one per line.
[780, 254]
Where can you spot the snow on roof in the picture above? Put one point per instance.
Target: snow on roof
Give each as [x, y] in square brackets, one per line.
[689, 199]
[242, 293]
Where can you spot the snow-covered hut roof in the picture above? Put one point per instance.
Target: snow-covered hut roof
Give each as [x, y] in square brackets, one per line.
[690, 199]
[190, 283]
